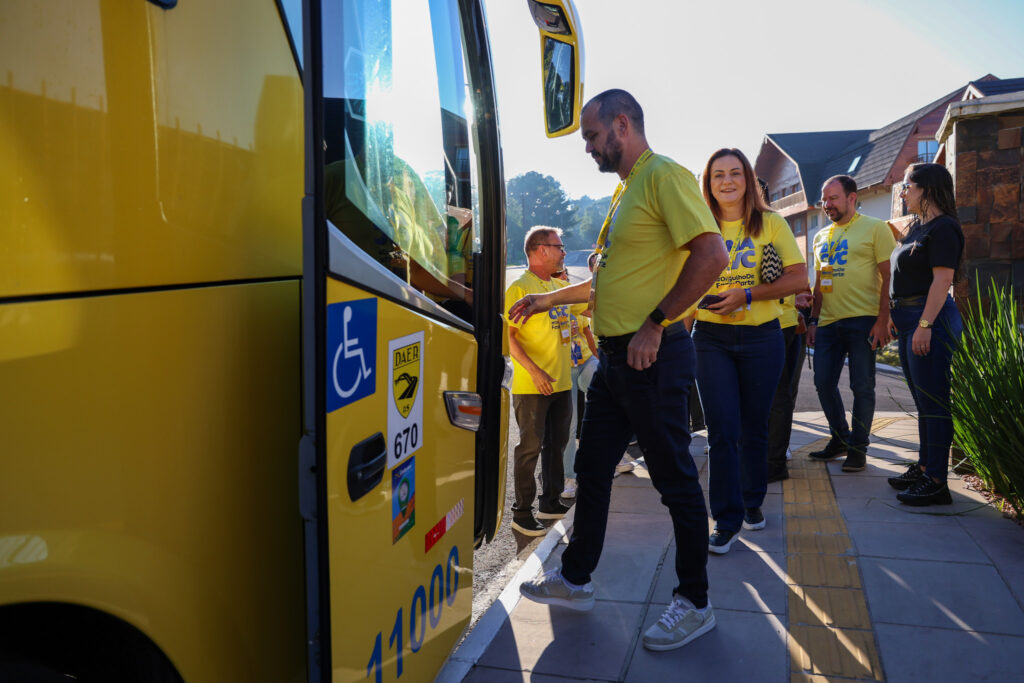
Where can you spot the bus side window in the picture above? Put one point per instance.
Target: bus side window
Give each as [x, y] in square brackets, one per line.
[395, 127]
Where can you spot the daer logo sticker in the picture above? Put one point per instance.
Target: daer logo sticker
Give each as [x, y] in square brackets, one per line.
[405, 402]
[405, 363]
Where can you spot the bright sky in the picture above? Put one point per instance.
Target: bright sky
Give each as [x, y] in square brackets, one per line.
[723, 74]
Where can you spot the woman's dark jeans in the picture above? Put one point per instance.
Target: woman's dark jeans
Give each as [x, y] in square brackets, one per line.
[738, 369]
[928, 378]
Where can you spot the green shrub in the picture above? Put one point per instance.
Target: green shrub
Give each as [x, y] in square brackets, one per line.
[987, 393]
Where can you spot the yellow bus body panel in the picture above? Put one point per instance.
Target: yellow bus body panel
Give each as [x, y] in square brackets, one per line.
[147, 147]
[375, 579]
[136, 481]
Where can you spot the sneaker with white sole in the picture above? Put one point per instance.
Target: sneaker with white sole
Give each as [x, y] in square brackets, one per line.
[529, 526]
[753, 519]
[680, 623]
[570, 488]
[556, 512]
[552, 589]
[721, 540]
[627, 464]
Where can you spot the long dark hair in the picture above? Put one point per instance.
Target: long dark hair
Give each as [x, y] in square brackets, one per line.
[753, 203]
[936, 189]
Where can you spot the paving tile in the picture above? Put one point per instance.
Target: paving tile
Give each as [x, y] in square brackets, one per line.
[818, 509]
[561, 642]
[641, 499]
[835, 544]
[808, 525]
[856, 485]
[744, 646]
[626, 573]
[885, 510]
[944, 655]
[968, 597]
[483, 674]
[815, 606]
[639, 529]
[874, 467]
[823, 570]
[949, 542]
[748, 581]
[834, 652]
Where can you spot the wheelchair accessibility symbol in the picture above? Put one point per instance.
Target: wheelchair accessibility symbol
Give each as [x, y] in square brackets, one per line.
[351, 352]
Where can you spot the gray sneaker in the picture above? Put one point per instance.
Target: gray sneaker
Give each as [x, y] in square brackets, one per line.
[679, 624]
[552, 589]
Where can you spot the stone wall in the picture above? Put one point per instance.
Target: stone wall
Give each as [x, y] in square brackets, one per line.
[988, 168]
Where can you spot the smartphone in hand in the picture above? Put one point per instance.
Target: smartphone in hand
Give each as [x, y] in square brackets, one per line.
[710, 300]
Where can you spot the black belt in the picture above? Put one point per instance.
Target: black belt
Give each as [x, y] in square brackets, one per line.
[621, 342]
[918, 300]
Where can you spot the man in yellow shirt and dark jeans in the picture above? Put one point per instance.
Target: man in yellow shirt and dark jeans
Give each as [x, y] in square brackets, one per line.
[660, 250]
[850, 316]
[541, 384]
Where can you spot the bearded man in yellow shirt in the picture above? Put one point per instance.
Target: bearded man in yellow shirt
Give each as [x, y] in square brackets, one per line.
[850, 316]
[660, 250]
[541, 384]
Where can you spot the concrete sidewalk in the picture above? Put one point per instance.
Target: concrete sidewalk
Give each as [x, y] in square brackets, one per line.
[845, 583]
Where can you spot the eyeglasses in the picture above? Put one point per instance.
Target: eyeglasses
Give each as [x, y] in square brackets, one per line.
[905, 187]
[560, 246]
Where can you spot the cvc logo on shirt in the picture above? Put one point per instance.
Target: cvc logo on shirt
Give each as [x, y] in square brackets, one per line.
[839, 253]
[746, 254]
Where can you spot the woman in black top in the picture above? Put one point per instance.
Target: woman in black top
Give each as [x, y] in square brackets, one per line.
[928, 324]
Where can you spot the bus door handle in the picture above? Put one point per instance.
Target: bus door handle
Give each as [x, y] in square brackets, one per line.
[366, 465]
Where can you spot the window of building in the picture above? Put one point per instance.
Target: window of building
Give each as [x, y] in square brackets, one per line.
[853, 165]
[797, 224]
[926, 150]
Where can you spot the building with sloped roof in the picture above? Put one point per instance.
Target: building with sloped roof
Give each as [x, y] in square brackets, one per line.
[795, 165]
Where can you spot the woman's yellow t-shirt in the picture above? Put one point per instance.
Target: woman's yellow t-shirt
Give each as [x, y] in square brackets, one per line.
[744, 269]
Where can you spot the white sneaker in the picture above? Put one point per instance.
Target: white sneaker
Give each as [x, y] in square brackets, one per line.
[552, 589]
[625, 465]
[680, 623]
[570, 488]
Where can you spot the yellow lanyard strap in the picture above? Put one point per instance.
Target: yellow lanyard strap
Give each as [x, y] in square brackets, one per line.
[834, 246]
[602, 237]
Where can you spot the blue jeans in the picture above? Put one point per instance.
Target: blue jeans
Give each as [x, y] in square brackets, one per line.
[832, 344]
[928, 379]
[653, 404]
[738, 369]
[581, 376]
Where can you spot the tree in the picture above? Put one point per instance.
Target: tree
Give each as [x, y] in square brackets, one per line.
[534, 199]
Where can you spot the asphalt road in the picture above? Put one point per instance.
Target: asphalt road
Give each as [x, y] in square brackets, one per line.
[497, 562]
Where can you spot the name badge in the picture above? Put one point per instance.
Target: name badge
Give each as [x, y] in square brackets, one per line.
[826, 279]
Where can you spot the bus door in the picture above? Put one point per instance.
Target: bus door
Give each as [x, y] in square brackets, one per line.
[394, 298]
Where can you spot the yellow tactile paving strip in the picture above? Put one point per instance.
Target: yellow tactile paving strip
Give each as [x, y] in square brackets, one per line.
[830, 632]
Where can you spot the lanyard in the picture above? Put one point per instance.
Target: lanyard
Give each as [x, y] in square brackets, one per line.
[613, 208]
[834, 246]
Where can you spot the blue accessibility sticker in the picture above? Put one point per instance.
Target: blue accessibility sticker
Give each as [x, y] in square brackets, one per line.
[351, 352]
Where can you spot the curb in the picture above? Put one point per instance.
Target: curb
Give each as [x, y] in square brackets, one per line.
[470, 650]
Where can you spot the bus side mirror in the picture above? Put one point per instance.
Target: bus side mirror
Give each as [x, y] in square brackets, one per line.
[561, 47]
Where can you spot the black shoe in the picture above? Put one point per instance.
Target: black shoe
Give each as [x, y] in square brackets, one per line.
[905, 480]
[556, 513]
[528, 526]
[926, 491]
[832, 450]
[856, 459]
[720, 541]
[753, 519]
[777, 473]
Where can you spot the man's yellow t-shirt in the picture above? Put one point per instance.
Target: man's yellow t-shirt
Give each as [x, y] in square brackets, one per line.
[854, 251]
[789, 314]
[744, 270]
[659, 213]
[540, 336]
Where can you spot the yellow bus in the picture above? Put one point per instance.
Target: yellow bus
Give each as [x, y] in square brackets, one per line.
[251, 348]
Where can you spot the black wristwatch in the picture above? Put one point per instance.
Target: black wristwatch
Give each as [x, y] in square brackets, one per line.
[657, 317]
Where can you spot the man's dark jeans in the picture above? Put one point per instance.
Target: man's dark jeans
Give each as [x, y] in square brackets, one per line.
[738, 368]
[651, 403]
[543, 431]
[833, 343]
[928, 378]
[780, 422]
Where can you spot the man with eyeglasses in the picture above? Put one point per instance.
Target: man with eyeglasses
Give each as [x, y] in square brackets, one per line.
[541, 384]
[849, 317]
